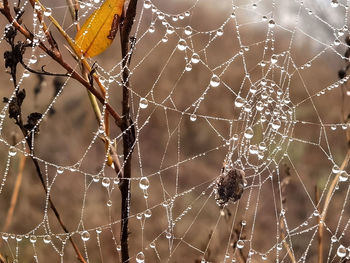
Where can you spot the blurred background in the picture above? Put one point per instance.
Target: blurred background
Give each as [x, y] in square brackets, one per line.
[187, 132]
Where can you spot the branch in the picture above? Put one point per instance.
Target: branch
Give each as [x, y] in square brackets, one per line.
[127, 128]
[58, 58]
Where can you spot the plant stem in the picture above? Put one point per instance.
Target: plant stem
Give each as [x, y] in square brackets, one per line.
[127, 129]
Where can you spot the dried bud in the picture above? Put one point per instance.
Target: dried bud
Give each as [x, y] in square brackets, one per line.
[341, 73]
[32, 121]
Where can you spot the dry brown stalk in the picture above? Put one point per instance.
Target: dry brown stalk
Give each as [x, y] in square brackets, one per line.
[15, 193]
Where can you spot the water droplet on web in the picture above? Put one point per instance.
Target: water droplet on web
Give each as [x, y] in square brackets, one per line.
[144, 183]
[249, 133]
[337, 42]
[253, 89]
[273, 59]
[262, 146]
[148, 213]
[48, 12]
[253, 149]
[106, 182]
[151, 29]
[279, 247]
[12, 151]
[170, 30]
[109, 203]
[272, 23]
[220, 32]
[188, 30]
[182, 45]
[188, 67]
[33, 59]
[99, 230]
[193, 117]
[334, 239]
[276, 124]
[139, 216]
[343, 177]
[334, 3]
[264, 18]
[32, 239]
[140, 257]
[119, 247]
[168, 235]
[116, 180]
[240, 244]
[239, 102]
[47, 239]
[195, 58]
[341, 251]
[259, 106]
[85, 235]
[60, 170]
[5, 236]
[214, 81]
[143, 103]
[147, 4]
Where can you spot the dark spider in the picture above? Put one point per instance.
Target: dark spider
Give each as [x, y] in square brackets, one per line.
[229, 186]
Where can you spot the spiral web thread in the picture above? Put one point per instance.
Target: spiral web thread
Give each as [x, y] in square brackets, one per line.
[214, 87]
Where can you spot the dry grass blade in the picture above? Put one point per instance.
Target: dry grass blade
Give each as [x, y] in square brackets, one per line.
[15, 193]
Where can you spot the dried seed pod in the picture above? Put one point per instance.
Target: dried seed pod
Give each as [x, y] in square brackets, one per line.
[230, 186]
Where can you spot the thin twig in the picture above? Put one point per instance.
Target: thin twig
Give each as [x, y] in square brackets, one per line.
[127, 129]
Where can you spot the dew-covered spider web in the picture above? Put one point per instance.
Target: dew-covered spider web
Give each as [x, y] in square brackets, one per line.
[240, 113]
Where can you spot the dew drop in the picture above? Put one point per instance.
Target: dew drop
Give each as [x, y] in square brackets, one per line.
[143, 103]
[33, 59]
[182, 45]
[144, 183]
[276, 124]
[48, 12]
[151, 29]
[341, 251]
[334, 3]
[188, 30]
[5, 236]
[239, 102]
[335, 169]
[272, 23]
[147, 4]
[148, 213]
[195, 58]
[220, 32]
[85, 235]
[193, 117]
[60, 170]
[188, 67]
[273, 59]
[249, 133]
[12, 151]
[214, 81]
[240, 244]
[106, 182]
[140, 257]
[32, 239]
[47, 239]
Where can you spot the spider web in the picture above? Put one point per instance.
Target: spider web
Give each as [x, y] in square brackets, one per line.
[215, 86]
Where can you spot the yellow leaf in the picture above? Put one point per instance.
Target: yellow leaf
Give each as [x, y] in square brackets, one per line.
[99, 30]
